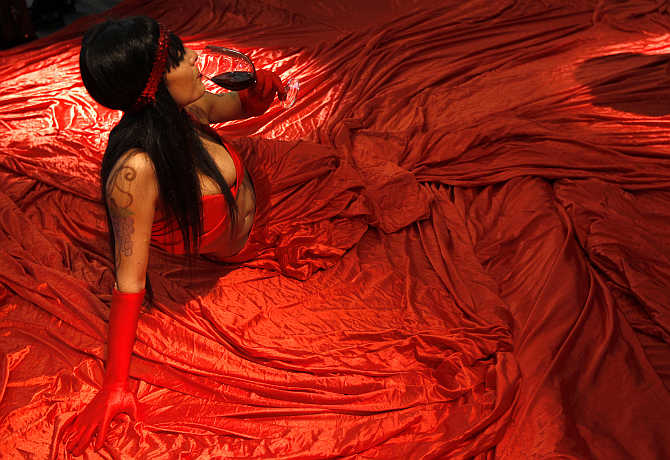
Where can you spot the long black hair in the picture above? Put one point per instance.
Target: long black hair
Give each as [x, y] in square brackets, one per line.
[115, 62]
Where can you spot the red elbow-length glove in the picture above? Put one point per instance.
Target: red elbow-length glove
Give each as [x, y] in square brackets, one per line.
[257, 99]
[115, 396]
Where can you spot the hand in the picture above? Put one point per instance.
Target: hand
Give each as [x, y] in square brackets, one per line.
[257, 99]
[96, 417]
[115, 397]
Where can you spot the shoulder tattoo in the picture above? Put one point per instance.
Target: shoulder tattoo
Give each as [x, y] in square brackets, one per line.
[120, 200]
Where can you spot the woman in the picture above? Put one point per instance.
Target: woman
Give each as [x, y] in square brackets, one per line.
[167, 180]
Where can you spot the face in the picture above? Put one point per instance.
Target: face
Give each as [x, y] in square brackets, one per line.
[184, 81]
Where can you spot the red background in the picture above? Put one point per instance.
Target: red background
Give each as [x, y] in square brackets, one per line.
[476, 256]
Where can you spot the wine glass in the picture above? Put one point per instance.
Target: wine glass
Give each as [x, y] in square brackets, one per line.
[234, 71]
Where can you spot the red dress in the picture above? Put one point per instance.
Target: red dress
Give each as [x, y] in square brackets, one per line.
[286, 235]
[165, 232]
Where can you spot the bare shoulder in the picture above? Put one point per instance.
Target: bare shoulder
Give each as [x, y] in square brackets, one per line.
[132, 177]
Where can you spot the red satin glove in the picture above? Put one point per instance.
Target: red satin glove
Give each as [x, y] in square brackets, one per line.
[115, 396]
[257, 99]
[96, 417]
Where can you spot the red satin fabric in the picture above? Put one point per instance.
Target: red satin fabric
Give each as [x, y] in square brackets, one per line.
[468, 218]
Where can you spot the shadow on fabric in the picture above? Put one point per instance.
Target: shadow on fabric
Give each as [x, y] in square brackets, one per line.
[629, 82]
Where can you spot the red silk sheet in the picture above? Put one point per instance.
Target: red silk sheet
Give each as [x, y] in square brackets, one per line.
[467, 241]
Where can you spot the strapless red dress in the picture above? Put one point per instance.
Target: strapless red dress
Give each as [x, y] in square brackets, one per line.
[165, 232]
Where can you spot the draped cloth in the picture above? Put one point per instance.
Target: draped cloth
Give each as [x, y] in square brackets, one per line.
[467, 250]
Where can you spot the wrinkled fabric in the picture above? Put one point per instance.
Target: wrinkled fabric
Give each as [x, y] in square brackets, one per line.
[464, 250]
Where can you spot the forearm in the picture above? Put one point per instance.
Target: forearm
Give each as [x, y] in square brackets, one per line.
[115, 396]
[236, 105]
[123, 318]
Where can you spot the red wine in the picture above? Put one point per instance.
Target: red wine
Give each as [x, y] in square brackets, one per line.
[235, 81]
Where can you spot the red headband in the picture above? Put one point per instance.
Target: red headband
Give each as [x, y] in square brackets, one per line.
[148, 95]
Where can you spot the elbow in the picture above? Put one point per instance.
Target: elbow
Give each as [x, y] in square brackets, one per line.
[130, 284]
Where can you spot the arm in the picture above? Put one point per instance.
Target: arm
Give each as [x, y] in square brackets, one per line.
[132, 193]
[218, 108]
